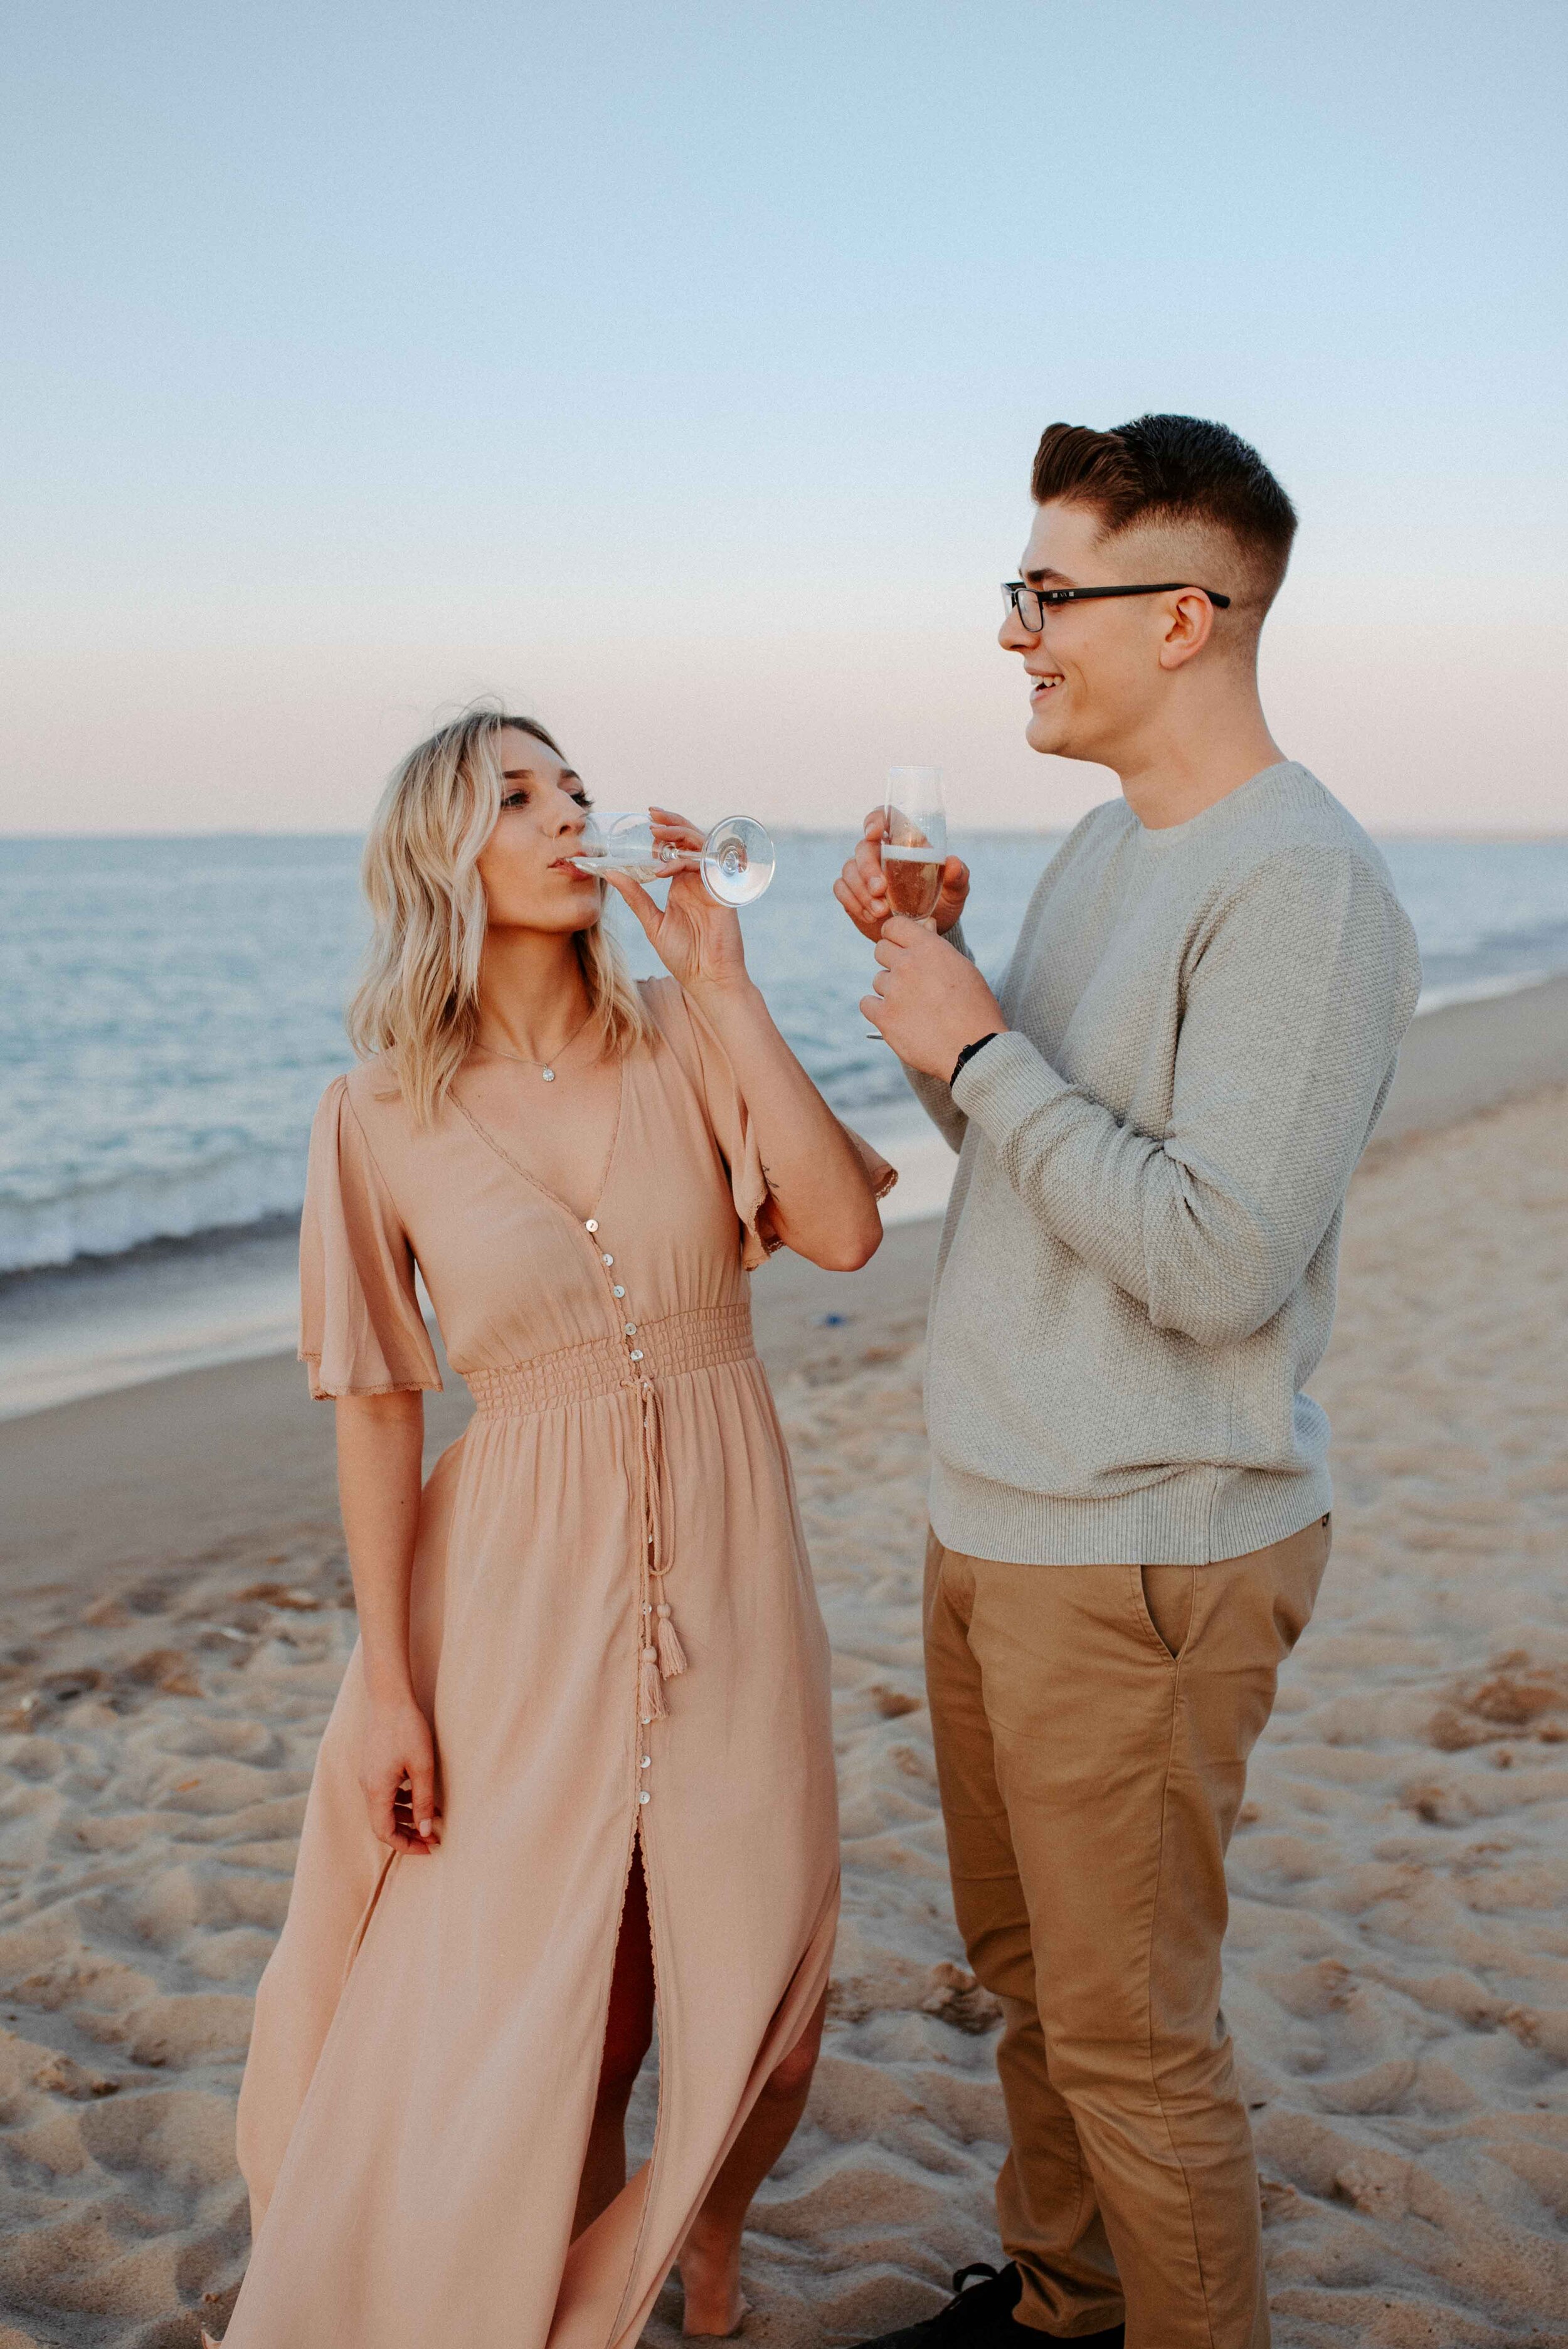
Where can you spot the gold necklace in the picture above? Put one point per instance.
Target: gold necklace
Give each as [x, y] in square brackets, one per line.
[545, 1068]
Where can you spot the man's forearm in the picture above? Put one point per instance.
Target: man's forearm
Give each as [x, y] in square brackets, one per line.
[1285, 1049]
[1188, 1249]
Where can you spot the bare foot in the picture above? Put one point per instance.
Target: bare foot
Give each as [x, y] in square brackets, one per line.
[710, 2275]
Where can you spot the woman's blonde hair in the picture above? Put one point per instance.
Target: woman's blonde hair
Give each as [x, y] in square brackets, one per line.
[418, 999]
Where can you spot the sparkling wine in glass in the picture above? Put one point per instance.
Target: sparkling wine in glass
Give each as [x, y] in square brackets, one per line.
[736, 859]
[914, 840]
[914, 843]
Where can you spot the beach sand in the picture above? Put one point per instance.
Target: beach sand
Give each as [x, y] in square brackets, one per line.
[1398, 1965]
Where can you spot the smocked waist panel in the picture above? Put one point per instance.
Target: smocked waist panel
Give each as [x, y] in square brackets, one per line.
[697, 1340]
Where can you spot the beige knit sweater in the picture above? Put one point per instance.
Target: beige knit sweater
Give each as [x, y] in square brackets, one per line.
[1136, 1278]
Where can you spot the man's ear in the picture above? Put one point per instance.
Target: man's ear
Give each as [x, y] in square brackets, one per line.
[1188, 625]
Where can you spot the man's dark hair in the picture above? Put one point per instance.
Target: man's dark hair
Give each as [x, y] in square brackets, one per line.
[1176, 470]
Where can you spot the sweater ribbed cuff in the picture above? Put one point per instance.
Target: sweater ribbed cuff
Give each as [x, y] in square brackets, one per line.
[1005, 1084]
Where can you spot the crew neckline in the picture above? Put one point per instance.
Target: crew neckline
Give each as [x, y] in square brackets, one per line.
[1159, 840]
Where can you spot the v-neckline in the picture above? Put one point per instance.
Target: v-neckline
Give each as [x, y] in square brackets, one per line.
[536, 1182]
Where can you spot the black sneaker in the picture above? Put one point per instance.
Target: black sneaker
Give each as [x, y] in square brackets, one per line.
[980, 2316]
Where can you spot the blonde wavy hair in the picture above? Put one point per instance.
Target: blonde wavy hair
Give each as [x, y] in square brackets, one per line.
[417, 999]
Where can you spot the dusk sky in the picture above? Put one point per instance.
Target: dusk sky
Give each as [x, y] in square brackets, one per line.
[675, 371]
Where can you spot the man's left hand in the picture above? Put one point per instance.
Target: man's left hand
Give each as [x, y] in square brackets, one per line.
[930, 999]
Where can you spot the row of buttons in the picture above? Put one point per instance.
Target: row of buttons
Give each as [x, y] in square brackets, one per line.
[635, 1353]
[617, 1288]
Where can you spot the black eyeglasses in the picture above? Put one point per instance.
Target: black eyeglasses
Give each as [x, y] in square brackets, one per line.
[1037, 601]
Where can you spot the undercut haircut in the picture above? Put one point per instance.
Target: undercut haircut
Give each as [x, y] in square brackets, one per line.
[1173, 471]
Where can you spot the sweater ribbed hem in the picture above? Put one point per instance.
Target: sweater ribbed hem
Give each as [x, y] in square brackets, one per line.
[1192, 1517]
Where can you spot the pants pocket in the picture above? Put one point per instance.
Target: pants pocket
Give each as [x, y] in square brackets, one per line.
[1166, 1596]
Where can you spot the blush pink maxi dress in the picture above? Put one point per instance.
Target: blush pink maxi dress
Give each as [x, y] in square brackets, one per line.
[429, 2032]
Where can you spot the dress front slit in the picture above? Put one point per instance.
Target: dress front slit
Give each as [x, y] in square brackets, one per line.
[430, 2032]
[652, 2164]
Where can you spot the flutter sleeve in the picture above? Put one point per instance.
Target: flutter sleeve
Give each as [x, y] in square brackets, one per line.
[361, 1330]
[733, 1130]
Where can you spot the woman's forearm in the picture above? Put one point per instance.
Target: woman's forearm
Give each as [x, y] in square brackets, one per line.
[823, 1204]
[380, 1445]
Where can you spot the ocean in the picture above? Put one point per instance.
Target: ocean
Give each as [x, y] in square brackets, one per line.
[170, 1008]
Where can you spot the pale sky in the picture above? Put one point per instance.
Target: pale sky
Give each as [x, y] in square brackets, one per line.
[675, 371]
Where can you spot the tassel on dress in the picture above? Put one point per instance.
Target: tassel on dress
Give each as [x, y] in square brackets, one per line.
[671, 1654]
[653, 1707]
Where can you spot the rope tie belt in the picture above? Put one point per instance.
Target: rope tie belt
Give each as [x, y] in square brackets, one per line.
[663, 1657]
[699, 1340]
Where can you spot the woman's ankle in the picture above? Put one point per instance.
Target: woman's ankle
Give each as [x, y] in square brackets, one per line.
[710, 2275]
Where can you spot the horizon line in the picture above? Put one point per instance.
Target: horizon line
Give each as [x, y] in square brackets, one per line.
[1492, 835]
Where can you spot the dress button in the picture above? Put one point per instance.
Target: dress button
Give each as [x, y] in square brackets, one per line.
[636, 1353]
[646, 1762]
[592, 1225]
[617, 1291]
[606, 1259]
[644, 1797]
[630, 1328]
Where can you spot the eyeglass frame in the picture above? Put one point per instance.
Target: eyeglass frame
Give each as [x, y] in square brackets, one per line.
[1050, 597]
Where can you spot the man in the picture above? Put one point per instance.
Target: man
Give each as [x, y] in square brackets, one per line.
[1156, 1119]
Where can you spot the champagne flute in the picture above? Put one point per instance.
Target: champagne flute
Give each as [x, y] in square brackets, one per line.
[914, 840]
[736, 859]
[913, 847]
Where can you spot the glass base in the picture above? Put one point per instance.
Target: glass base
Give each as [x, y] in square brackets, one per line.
[737, 861]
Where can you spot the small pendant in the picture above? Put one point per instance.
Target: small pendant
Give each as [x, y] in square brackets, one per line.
[547, 1076]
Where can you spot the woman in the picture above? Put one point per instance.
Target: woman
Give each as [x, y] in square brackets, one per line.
[582, 1746]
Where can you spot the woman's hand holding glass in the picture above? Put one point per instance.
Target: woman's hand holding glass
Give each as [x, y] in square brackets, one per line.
[697, 940]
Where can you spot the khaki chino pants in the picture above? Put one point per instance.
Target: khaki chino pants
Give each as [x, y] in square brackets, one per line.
[1092, 1727]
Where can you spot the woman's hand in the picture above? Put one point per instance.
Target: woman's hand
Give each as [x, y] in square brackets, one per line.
[696, 939]
[398, 1774]
[861, 887]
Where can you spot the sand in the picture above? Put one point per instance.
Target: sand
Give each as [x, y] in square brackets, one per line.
[1397, 1967]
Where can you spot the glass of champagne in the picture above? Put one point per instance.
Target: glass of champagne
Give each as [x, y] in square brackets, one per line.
[736, 859]
[914, 843]
[914, 840]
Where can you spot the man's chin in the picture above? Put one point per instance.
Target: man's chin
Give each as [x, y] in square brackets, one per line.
[1046, 732]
